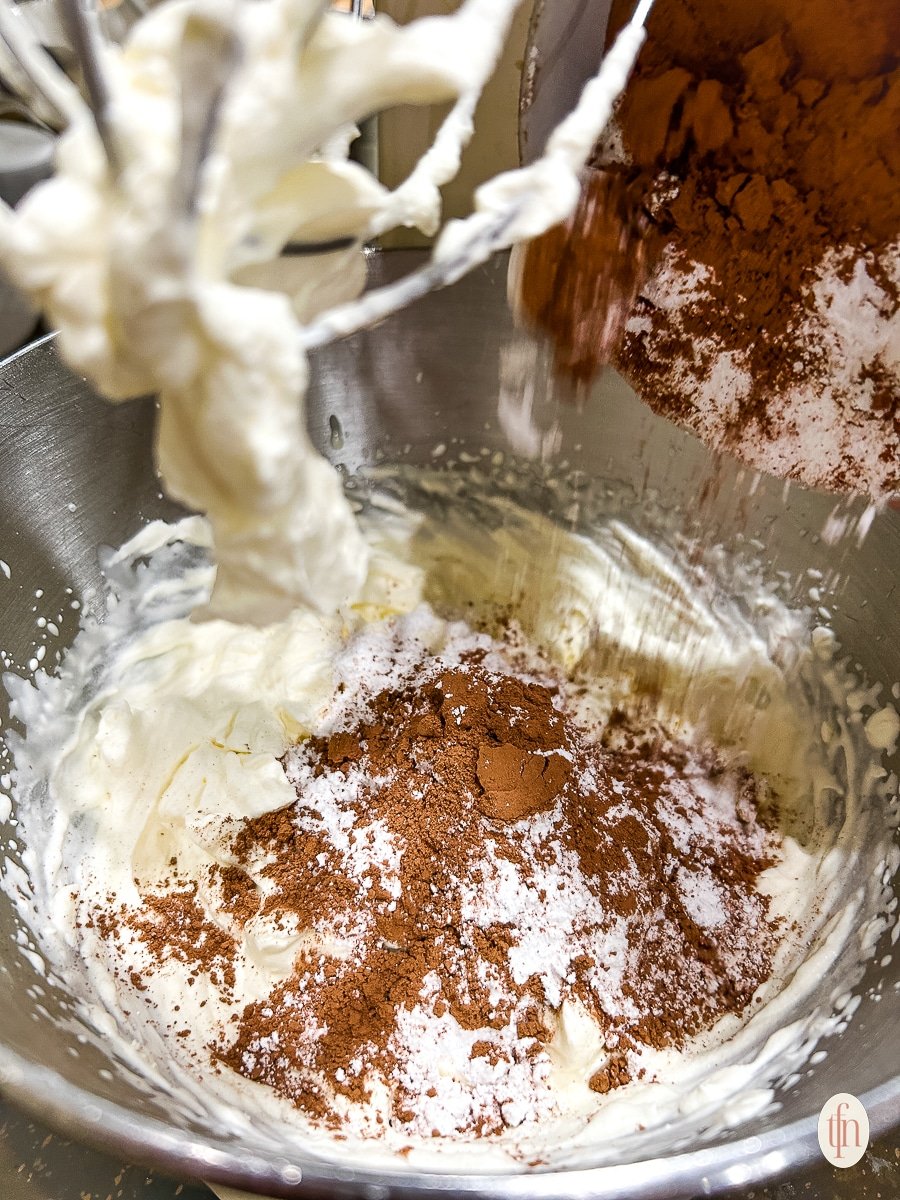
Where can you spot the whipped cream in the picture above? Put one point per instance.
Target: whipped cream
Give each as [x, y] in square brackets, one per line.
[160, 274]
[158, 728]
[229, 130]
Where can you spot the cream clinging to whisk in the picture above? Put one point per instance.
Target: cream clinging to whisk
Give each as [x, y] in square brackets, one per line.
[148, 250]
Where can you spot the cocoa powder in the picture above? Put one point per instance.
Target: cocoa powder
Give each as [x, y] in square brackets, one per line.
[462, 860]
[174, 929]
[581, 280]
[468, 759]
[763, 139]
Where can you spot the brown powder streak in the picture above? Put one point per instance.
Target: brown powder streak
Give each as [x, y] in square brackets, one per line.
[174, 927]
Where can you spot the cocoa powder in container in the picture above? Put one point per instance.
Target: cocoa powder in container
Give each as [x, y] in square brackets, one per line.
[764, 141]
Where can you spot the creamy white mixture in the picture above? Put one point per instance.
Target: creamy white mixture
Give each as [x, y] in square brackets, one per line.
[120, 774]
[154, 290]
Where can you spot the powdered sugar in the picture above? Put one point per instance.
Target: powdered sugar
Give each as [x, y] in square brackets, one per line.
[826, 426]
[331, 807]
[450, 1088]
[702, 897]
[548, 908]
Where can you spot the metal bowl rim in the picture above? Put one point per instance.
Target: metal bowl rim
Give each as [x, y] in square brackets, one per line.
[751, 1161]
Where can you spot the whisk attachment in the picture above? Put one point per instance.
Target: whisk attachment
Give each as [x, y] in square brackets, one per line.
[28, 72]
[210, 52]
[284, 187]
[84, 37]
[518, 205]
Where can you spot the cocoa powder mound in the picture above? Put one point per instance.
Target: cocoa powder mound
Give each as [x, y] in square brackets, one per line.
[463, 860]
[476, 779]
[453, 755]
[763, 140]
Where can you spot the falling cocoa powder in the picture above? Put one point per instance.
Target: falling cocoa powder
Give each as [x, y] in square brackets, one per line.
[764, 141]
[580, 281]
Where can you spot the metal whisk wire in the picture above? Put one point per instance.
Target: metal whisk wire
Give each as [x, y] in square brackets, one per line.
[82, 31]
[30, 74]
[503, 215]
[210, 53]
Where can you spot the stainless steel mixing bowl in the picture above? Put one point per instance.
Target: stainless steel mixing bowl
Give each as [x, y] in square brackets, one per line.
[77, 473]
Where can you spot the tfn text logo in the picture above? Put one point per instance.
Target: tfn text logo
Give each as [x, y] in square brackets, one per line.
[843, 1130]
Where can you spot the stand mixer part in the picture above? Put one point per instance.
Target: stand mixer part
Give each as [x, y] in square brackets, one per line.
[514, 206]
[215, 137]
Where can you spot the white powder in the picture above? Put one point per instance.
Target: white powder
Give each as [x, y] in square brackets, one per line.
[330, 807]
[455, 1090]
[824, 429]
[548, 907]
[702, 898]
